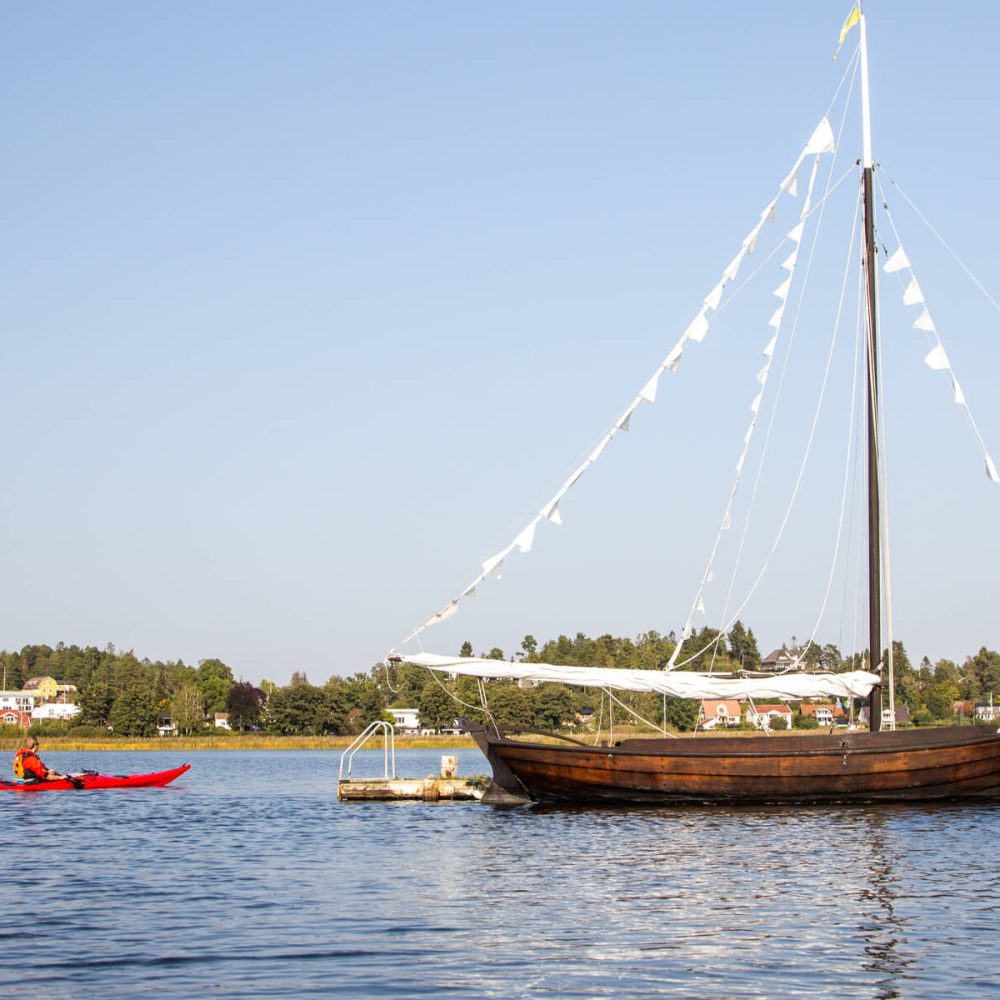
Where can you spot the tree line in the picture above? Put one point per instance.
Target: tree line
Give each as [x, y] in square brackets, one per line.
[132, 696]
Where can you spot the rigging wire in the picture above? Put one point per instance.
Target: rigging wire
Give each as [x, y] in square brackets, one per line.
[821, 206]
[982, 288]
[937, 339]
[850, 450]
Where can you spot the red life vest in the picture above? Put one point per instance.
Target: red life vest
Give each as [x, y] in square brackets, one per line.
[27, 764]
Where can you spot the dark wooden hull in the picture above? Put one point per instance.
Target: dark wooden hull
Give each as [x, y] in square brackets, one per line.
[904, 766]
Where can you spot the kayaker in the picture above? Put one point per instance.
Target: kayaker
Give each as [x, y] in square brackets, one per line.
[28, 765]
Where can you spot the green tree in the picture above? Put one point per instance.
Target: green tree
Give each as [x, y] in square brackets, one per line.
[300, 710]
[466, 649]
[437, 708]
[743, 647]
[96, 700]
[134, 712]
[214, 679]
[510, 704]
[983, 673]
[365, 702]
[682, 713]
[186, 708]
[553, 705]
[496, 653]
[939, 698]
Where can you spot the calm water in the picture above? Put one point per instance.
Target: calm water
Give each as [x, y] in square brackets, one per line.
[248, 878]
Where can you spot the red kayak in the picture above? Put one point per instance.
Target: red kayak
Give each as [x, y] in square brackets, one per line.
[93, 780]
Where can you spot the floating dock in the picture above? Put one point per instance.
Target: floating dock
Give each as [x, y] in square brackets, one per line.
[412, 789]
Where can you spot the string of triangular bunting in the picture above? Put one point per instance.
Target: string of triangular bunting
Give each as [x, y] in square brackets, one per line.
[821, 141]
[937, 358]
[775, 322]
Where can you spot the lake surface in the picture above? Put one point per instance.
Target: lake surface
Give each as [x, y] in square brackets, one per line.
[248, 878]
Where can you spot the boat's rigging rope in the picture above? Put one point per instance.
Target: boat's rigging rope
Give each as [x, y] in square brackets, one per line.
[795, 489]
[936, 340]
[821, 205]
[850, 449]
[982, 288]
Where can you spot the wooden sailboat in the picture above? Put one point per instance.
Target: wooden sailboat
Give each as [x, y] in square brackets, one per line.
[914, 765]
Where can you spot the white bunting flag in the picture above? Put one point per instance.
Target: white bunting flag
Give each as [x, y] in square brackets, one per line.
[709, 576]
[762, 374]
[924, 322]
[526, 539]
[897, 262]
[673, 359]
[493, 564]
[769, 350]
[768, 214]
[775, 320]
[625, 419]
[755, 405]
[551, 511]
[821, 141]
[727, 521]
[991, 470]
[714, 297]
[789, 262]
[734, 265]
[782, 290]
[449, 612]
[698, 328]
[791, 183]
[937, 359]
[959, 395]
[700, 606]
[739, 464]
[796, 234]
[648, 391]
[748, 435]
[469, 591]
[686, 632]
[751, 240]
[913, 296]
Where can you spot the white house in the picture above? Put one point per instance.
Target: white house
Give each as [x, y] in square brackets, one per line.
[23, 701]
[406, 720]
[719, 713]
[763, 716]
[222, 720]
[987, 711]
[55, 710]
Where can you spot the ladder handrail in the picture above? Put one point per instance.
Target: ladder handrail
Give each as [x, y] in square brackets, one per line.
[378, 726]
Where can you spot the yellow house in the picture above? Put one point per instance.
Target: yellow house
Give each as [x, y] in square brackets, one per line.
[43, 687]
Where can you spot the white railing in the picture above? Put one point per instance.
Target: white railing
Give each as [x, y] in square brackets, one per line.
[389, 747]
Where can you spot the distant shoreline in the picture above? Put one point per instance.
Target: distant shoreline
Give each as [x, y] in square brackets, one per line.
[175, 744]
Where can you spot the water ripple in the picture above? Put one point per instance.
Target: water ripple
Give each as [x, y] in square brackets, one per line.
[248, 879]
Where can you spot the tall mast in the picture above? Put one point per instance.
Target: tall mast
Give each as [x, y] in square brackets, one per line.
[874, 532]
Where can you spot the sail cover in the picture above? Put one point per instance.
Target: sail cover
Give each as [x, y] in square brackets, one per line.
[677, 683]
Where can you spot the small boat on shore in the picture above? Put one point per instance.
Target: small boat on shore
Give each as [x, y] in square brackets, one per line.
[91, 780]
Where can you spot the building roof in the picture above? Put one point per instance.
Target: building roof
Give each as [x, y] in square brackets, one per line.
[36, 682]
[811, 709]
[764, 709]
[710, 706]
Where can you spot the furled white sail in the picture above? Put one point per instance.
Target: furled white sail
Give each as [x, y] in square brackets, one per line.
[676, 683]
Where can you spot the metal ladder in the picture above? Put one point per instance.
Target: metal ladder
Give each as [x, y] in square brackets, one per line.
[389, 747]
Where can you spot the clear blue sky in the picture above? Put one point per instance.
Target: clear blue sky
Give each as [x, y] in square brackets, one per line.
[307, 307]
